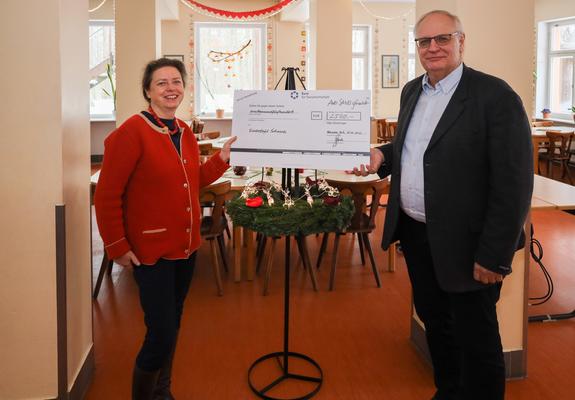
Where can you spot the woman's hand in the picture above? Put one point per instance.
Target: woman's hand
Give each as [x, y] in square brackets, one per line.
[225, 152]
[127, 259]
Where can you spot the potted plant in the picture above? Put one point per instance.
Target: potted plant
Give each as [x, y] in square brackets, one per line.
[112, 85]
[546, 113]
[572, 109]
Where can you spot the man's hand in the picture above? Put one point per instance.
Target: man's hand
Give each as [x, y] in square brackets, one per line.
[485, 276]
[225, 153]
[127, 260]
[375, 160]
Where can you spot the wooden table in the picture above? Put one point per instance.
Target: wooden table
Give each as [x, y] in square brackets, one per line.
[559, 194]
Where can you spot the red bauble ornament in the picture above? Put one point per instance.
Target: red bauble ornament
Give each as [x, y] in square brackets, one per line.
[254, 202]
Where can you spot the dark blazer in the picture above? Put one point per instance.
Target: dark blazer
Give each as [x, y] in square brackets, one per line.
[478, 178]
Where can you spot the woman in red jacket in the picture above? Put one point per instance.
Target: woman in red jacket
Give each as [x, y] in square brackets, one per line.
[148, 213]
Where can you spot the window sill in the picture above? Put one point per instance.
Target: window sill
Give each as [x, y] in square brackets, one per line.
[103, 119]
[559, 121]
[226, 118]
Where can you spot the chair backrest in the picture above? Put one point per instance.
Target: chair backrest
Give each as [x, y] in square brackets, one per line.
[559, 144]
[197, 126]
[359, 192]
[205, 148]
[216, 194]
[381, 124]
[211, 135]
[391, 128]
[537, 124]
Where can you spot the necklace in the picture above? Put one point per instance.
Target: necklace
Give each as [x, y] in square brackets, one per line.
[162, 124]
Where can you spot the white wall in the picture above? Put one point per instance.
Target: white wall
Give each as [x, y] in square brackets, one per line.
[106, 12]
[553, 9]
[44, 151]
[392, 38]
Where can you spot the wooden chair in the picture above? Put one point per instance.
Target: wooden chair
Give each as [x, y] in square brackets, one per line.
[381, 125]
[106, 266]
[362, 222]
[197, 126]
[205, 149]
[303, 252]
[211, 135]
[391, 128]
[559, 147]
[213, 226]
[385, 130]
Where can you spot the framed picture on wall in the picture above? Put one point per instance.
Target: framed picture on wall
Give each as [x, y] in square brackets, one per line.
[179, 57]
[389, 71]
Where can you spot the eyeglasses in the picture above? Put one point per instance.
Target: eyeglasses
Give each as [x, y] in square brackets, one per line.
[440, 40]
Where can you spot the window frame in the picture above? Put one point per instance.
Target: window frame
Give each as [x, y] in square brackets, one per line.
[365, 55]
[103, 22]
[550, 55]
[226, 25]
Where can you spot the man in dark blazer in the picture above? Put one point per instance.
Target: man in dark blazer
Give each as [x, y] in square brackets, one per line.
[461, 168]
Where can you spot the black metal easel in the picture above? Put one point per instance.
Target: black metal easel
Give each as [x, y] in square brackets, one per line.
[283, 357]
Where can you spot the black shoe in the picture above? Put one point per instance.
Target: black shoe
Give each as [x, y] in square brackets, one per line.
[143, 383]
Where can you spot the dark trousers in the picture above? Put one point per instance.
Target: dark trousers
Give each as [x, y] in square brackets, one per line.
[461, 328]
[163, 289]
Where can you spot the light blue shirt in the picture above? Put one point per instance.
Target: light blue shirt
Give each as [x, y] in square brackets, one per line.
[428, 110]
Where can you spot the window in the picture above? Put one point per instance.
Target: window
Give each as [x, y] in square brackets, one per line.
[228, 56]
[410, 54]
[360, 58]
[560, 71]
[102, 67]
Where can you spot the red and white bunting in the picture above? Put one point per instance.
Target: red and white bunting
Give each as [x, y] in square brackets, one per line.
[240, 15]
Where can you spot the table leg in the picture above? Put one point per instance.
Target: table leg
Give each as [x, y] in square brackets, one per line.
[250, 252]
[391, 257]
[237, 244]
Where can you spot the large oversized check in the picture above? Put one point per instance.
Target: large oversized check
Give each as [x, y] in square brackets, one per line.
[301, 129]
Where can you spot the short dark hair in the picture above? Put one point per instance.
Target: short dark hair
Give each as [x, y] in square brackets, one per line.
[154, 65]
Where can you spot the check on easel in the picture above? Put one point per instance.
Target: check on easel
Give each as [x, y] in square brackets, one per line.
[327, 129]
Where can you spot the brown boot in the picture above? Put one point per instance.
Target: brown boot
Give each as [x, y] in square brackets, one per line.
[143, 384]
[162, 390]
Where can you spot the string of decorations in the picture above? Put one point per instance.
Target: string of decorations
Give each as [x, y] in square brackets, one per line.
[405, 14]
[270, 54]
[227, 56]
[191, 87]
[375, 69]
[98, 6]
[267, 208]
[303, 53]
[241, 15]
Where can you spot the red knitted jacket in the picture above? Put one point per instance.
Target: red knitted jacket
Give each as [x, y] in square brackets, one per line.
[147, 197]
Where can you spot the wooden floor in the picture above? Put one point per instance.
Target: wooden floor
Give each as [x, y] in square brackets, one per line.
[359, 334]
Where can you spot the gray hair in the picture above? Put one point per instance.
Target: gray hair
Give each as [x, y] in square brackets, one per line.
[454, 18]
